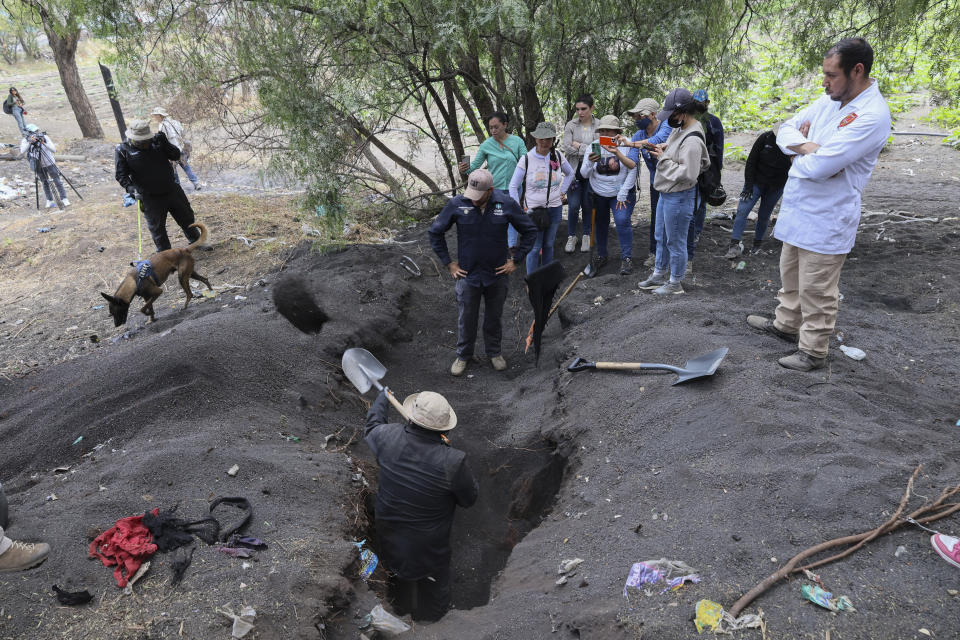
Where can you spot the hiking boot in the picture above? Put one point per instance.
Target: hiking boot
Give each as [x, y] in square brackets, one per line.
[650, 261]
[689, 268]
[802, 361]
[626, 267]
[756, 248]
[736, 248]
[598, 263]
[23, 555]
[196, 186]
[585, 243]
[669, 288]
[66, 202]
[458, 367]
[766, 324]
[947, 547]
[655, 280]
[499, 364]
[571, 244]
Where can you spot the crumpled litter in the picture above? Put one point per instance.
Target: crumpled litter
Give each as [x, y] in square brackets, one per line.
[712, 616]
[853, 352]
[825, 599]
[385, 622]
[368, 560]
[242, 623]
[654, 571]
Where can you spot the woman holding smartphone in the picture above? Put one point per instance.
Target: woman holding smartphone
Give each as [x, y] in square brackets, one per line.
[612, 175]
[680, 160]
[13, 105]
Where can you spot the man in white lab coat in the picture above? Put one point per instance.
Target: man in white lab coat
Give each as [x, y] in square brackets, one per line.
[833, 144]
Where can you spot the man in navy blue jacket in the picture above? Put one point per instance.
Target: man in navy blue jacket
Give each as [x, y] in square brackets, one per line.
[483, 261]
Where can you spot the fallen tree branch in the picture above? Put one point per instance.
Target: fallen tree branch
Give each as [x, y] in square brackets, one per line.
[929, 512]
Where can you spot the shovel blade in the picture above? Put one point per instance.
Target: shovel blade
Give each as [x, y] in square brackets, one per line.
[702, 366]
[362, 369]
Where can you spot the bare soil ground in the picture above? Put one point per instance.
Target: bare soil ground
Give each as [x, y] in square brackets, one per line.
[732, 475]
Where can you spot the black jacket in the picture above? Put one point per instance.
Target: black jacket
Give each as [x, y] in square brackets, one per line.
[422, 480]
[147, 170]
[767, 165]
[482, 235]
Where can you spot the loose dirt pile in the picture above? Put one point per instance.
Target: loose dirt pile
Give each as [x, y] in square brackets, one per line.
[732, 475]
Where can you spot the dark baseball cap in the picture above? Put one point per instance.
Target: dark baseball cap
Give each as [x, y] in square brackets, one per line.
[676, 99]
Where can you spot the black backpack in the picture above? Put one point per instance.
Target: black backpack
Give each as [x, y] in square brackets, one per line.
[7, 108]
[708, 182]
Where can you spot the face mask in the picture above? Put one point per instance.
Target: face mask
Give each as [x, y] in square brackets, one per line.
[643, 122]
[675, 120]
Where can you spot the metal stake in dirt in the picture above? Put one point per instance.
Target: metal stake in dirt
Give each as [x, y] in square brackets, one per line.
[139, 232]
[114, 103]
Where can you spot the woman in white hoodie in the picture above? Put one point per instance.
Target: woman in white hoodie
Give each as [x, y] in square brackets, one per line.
[680, 161]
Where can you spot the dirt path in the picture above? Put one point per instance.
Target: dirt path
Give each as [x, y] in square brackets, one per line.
[751, 465]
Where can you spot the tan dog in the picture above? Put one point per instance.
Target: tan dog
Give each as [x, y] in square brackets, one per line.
[145, 281]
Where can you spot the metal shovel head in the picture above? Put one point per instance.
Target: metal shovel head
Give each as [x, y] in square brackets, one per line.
[362, 369]
[702, 366]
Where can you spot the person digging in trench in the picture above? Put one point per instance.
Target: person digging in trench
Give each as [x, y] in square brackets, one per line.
[483, 262]
[143, 169]
[833, 144]
[421, 482]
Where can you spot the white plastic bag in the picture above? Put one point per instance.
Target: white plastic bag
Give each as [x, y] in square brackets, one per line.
[386, 622]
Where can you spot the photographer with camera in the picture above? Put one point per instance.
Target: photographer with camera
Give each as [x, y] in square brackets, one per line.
[39, 150]
[143, 168]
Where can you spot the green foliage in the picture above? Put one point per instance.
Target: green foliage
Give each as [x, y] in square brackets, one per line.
[947, 117]
[734, 152]
[953, 140]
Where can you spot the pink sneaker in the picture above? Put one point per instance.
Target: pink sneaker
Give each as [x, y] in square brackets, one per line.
[948, 547]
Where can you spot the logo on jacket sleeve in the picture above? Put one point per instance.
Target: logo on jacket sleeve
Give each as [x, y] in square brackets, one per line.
[847, 120]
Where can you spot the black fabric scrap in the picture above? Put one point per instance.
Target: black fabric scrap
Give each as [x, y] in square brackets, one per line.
[72, 598]
[542, 285]
[170, 533]
[237, 541]
[181, 561]
[240, 503]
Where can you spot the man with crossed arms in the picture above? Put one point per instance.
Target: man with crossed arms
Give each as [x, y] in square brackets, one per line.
[833, 144]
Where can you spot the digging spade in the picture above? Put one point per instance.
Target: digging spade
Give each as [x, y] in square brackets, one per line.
[363, 370]
[700, 367]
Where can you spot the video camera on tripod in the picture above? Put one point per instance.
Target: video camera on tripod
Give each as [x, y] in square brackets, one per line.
[45, 170]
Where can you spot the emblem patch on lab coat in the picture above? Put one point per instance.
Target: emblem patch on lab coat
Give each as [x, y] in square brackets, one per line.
[847, 120]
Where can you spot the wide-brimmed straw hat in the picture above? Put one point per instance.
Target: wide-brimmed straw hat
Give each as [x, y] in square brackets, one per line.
[138, 131]
[430, 410]
[159, 111]
[610, 122]
[545, 130]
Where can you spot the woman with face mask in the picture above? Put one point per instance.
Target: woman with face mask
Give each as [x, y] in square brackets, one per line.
[680, 160]
[650, 131]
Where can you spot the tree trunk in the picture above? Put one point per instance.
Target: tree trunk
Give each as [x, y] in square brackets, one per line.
[31, 49]
[65, 53]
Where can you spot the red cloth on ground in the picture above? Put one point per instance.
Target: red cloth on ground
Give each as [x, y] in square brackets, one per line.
[127, 544]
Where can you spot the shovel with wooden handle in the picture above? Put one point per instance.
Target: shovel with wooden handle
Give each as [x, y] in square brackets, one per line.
[700, 367]
[363, 370]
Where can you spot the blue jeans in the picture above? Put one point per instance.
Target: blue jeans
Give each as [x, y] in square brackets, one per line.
[187, 170]
[512, 234]
[578, 202]
[468, 303]
[768, 197]
[674, 217]
[654, 198]
[696, 224]
[18, 116]
[542, 252]
[621, 217]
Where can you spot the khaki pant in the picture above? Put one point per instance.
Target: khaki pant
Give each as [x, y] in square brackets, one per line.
[809, 297]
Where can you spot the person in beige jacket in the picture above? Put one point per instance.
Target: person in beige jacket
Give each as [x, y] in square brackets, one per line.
[680, 160]
[577, 136]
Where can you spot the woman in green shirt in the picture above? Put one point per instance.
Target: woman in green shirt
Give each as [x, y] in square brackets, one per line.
[501, 151]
